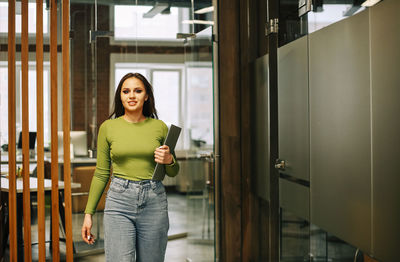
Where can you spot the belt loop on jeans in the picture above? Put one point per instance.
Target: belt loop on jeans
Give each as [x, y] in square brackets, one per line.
[153, 184]
[126, 183]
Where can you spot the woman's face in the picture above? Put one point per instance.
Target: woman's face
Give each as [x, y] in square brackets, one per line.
[133, 95]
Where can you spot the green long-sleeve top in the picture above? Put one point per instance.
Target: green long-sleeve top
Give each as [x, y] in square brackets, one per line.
[129, 148]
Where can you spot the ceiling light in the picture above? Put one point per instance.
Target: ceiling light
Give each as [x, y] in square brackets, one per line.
[370, 3]
[157, 8]
[205, 10]
[200, 22]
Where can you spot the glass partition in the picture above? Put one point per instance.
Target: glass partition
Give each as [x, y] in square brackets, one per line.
[107, 40]
[113, 38]
[296, 20]
[199, 164]
[300, 238]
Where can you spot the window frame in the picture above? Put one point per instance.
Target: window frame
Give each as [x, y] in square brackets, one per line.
[149, 41]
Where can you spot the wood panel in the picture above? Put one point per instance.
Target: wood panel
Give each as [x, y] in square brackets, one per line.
[229, 96]
[274, 153]
[12, 194]
[255, 211]
[25, 132]
[262, 43]
[54, 143]
[66, 129]
[250, 244]
[40, 132]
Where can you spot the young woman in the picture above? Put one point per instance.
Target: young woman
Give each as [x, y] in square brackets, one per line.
[135, 216]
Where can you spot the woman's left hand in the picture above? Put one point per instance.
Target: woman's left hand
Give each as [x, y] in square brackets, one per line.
[162, 155]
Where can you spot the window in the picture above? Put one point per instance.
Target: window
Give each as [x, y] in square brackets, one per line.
[190, 108]
[200, 103]
[121, 70]
[167, 87]
[166, 94]
[31, 18]
[129, 23]
[330, 13]
[32, 101]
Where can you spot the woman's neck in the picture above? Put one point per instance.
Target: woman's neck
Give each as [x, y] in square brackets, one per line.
[134, 118]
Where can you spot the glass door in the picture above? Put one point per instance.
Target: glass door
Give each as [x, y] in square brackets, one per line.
[113, 38]
[199, 123]
[302, 236]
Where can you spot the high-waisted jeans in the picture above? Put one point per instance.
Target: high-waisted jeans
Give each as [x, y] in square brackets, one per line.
[136, 221]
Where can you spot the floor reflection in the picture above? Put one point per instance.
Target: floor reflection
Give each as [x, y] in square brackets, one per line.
[191, 233]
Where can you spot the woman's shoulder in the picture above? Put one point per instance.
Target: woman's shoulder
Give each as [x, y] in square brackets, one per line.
[111, 122]
[158, 123]
[108, 122]
[155, 121]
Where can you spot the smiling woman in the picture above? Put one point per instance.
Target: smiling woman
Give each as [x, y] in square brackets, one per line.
[133, 97]
[136, 216]
[134, 81]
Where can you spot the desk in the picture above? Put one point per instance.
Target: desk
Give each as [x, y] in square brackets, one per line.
[33, 184]
[33, 189]
[76, 161]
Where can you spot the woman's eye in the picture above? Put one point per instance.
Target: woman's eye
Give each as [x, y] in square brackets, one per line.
[139, 91]
[125, 91]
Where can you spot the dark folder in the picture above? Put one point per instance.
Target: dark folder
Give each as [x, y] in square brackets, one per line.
[170, 140]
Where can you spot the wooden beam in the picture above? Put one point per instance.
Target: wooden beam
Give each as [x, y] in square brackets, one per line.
[230, 131]
[272, 39]
[25, 132]
[12, 194]
[54, 126]
[66, 127]
[40, 131]
[250, 201]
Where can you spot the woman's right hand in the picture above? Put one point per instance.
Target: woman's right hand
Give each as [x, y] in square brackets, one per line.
[86, 227]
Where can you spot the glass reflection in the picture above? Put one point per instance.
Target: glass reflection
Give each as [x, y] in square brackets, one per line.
[327, 14]
[198, 176]
[302, 241]
[327, 247]
[295, 237]
[323, 13]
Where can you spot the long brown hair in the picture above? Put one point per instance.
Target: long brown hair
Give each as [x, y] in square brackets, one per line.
[149, 108]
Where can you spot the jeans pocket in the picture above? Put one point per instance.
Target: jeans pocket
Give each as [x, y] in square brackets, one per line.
[159, 188]
[117, 187]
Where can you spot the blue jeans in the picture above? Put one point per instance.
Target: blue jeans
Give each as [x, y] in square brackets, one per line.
[135, 221]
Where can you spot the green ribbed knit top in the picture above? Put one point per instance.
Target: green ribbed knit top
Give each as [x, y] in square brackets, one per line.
[129, 148]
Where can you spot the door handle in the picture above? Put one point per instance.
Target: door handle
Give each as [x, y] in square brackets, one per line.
[280, 164]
